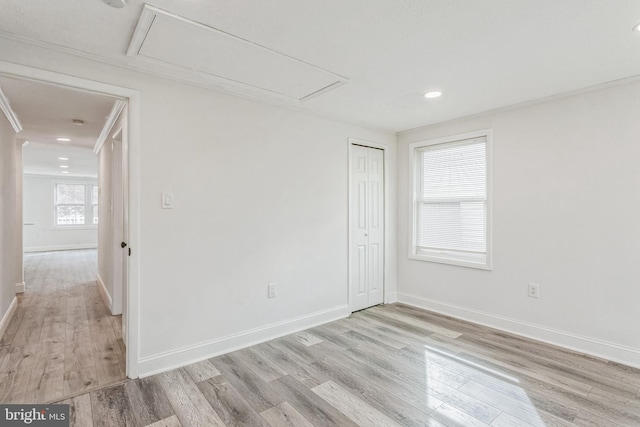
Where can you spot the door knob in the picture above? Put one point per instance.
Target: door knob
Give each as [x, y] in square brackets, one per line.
[123, 245]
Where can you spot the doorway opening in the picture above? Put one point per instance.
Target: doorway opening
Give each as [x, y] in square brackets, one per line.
[72, 265]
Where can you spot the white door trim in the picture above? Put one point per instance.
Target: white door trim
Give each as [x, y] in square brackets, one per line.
[117, 219]
[388, 230]
[20, 71]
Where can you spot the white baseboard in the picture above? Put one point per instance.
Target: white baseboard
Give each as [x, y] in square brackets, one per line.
[607, 350]
[4, 322]
[105, 294]
[20, 288]
[184, 356]
[60, 247]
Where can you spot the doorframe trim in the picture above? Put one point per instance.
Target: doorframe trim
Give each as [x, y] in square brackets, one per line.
[389, 233]
[118, 193]
[10, 69]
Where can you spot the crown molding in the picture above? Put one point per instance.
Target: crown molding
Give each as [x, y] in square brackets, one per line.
[109, 123]
[525, 104]
[166, 71]
[5, 106]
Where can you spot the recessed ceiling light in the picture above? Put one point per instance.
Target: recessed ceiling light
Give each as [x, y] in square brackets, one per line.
[636, 27]
[63, 158]
[433, 94]
[63, 139]
[114, 3]
[65, 171]
[64, 166]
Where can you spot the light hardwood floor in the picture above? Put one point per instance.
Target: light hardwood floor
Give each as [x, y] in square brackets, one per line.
[61, 341]
[389, 365]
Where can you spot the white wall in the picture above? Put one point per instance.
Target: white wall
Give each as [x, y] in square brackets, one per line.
[10, 246]
[260, 196]
[566, 203]
[39, 231]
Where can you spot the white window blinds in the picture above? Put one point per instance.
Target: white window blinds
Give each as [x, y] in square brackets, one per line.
[451, 199]
[70, 204]
[76, 204]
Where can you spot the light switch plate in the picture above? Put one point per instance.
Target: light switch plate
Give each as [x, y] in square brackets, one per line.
[167, 200]
[271, 290]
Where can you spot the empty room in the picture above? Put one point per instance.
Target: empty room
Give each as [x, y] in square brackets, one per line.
[336, 213]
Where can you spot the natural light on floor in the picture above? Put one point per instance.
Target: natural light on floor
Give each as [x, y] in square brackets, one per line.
[502, 391]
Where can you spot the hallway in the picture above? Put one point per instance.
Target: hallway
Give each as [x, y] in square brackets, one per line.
[62, 340]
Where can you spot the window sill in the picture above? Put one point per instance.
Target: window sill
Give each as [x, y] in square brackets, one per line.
[480, 263]
[74, 227]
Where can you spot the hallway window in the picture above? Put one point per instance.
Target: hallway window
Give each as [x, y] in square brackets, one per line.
[94, 203]
[451, 204]
[75, 204]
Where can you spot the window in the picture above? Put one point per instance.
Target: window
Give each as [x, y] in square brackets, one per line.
[75, 204]
[451, 204]
[94, 203]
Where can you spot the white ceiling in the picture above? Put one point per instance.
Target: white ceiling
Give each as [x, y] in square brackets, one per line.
[482, 54]
[46, 112]
[160, 36]
[42, 159]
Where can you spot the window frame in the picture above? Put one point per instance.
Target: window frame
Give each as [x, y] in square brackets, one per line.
[88, 206]
[449, 257]
[95, 212]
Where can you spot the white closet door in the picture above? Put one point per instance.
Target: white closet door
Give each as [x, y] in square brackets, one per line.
[366, 227]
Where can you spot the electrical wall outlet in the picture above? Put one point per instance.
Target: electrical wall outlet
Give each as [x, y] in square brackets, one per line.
[534, 290]
[271, 290]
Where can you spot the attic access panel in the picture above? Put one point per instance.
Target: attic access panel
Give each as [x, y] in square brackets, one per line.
[195, 47]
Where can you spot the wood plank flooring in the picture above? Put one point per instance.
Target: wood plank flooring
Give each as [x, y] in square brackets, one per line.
[390, 365]
[62, 340]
